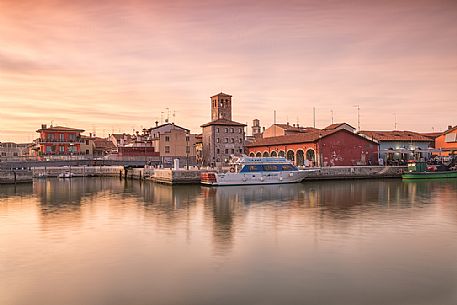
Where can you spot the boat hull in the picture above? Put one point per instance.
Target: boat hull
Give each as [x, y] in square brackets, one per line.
[225, 179]
[430, 175]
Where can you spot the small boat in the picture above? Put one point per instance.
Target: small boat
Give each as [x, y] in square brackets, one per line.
[252, 170]
[419, 170]
[66, 175]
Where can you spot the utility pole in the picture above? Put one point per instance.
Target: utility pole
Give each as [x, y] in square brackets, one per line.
[314, 117]
[358, 117]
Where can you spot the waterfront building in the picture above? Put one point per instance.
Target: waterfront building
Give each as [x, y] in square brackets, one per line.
[120, 139]
[58, 140]
[446, 143]
[9, 150]
[103, 147]
[397, 147]
[277, 130]
[333, 147]
[222, 137]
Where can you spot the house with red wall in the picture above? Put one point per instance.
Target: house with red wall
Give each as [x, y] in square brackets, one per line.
[58, 140]
[332, 147]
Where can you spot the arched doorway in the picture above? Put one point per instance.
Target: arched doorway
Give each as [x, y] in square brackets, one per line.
[258, 154]
[311, 156]
[265, 154]
[273, 154]
[252, 155]
[281, 153]
[300, 157]
[290, 155]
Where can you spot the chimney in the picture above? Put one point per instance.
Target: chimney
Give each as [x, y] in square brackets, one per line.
[43, 126]
[157, 123]
[449, 127]
[287, 123]
[293, 125]
[90, 135]
[263, 128]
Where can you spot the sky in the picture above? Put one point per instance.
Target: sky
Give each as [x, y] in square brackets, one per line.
[116, 66]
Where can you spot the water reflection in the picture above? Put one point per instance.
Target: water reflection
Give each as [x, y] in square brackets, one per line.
[130, 242]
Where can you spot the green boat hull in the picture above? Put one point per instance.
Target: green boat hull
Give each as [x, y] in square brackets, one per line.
[430, 175]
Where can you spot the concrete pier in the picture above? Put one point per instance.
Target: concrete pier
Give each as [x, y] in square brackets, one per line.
[15, 176]
[180, 176]
[356, 172]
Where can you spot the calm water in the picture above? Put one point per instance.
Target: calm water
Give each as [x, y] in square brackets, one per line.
[105, 241]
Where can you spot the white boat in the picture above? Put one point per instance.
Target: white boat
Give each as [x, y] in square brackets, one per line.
[253, 170]
[66, 175]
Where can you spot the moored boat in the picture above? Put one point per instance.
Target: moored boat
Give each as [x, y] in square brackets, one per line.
[252, 170]
[419, 170]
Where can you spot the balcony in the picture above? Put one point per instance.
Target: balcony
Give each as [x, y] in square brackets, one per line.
[76, 141]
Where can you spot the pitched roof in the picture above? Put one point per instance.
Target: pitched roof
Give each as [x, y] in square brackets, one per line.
[223, 122]
[308, 137]
[289, 127]
[60, 128]
[336, 125]
[221, 94]
[165, 124]
[432, 135]
[395, 135]
[450, 130]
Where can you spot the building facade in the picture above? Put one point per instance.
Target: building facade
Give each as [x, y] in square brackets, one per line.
[446, 143]
[338, 147]
[397, 147]
[11, 150]
[58, 140]
[222, 138]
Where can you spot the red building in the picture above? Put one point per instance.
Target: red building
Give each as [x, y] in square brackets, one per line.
[58, 140]
[338, 147]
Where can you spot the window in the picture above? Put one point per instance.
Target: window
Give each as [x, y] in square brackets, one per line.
[62, 149]
[233, 151]
[72, 137]
[232, 140]
[187, 149]
[217, 140]
[239, 130]
[187, 138]
[217, 130]
[226, 140]
[226, 130]
[167, 149]
[87, 142]
[270, 167]
[167, 139]
[240, 140]
[15, 154]
[218, 151]
[62, 137]
[3, 154]
[226, 151]
[231, 130]
[241, 150]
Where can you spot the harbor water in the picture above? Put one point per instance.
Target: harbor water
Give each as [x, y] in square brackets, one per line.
[101, 241]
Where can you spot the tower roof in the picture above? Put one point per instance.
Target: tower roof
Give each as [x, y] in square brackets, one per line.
[221, 94]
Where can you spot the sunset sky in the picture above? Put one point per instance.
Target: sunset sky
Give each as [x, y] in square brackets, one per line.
[109, 66]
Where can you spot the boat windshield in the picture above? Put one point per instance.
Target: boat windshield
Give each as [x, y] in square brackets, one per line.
[267, 168]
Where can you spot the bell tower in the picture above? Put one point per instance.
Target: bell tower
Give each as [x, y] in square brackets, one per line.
[221, 107]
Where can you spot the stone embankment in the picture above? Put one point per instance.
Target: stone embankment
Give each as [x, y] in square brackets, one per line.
[182, 176]
[15, 176]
